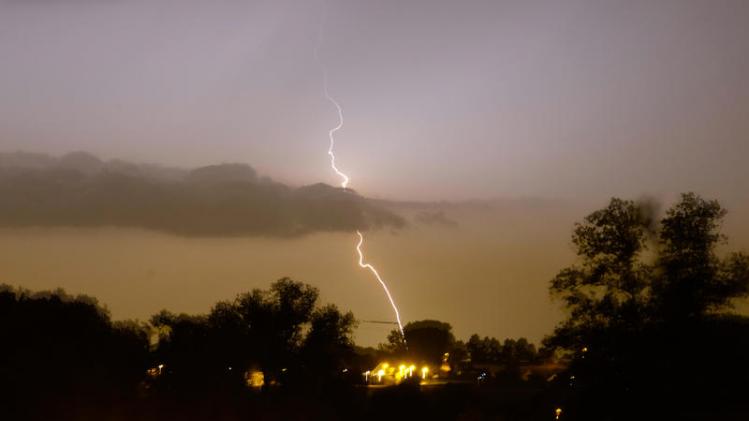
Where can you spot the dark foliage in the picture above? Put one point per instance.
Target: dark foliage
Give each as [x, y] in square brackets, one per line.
[426, 341]
[62, 356]
[280, 332]
[511, 352]
[648, 332]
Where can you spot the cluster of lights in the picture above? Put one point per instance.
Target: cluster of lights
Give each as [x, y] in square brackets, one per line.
[155, 371]
[397, 374]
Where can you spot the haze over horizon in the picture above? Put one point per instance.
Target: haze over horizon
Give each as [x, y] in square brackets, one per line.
[140, 240]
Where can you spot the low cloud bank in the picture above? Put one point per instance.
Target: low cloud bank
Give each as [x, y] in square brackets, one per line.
[79, 189]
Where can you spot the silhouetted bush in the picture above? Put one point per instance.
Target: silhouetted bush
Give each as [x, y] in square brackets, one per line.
[62, 356]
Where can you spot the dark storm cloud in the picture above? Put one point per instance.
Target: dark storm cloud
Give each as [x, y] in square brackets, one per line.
[435, 218]
[79, 189]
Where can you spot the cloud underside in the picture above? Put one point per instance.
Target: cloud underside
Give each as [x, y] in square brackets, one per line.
[222, 200]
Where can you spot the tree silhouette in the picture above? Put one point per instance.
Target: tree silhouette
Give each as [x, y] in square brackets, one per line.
[279, 331]
[328, 345]
[510, 353]
[486, 350]
[61, 355]
[644, 329]
[426, 341]
[610, 285]
[693, 280]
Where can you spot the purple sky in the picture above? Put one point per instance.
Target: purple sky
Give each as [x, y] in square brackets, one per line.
[442, 99]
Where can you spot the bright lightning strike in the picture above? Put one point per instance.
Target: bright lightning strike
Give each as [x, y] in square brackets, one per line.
[377, 275]
[331, 132]
[344, 178]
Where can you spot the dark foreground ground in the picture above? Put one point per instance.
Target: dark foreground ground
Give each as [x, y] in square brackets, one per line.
[449, 401]
[457, 401]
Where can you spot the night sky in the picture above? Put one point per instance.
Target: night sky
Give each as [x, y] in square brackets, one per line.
[538, 111]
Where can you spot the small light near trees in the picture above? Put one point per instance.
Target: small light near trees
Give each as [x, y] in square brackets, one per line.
[557, 413]
[155, 371]
[255, 379]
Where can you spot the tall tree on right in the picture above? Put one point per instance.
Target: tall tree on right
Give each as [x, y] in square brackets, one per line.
[647, 311]
[693, 281]
[617, 284]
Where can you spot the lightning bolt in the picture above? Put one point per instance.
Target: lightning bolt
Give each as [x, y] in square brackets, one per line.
[372, 269]
[345, 178]
[331, 132]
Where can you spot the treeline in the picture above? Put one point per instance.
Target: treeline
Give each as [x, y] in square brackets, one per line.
[432, 342]
[64, 358]
[282, 332]
[510, 352]
[63, 354]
